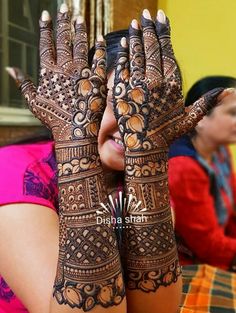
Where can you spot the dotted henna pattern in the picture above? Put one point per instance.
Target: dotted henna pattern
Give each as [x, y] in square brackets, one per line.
[149, 108]
[70, 100]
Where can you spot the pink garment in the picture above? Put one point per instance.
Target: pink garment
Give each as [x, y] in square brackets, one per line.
[28, 175]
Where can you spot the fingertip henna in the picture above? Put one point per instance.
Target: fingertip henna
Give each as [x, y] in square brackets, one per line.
[80, 46]
[146, 22]
[45, 24]
[211, 97]
[65, 16]
[133, 31]
[163, 29]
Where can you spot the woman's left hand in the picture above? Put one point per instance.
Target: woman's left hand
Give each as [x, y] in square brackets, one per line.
[148, 99]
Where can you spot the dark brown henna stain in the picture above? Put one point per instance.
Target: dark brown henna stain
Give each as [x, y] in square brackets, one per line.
[70, 100]
[150, 113]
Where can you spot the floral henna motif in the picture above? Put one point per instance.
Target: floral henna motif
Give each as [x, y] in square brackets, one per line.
[71, 97]
[151, 256]
[70, 100]
[149, 108]
[89, 271]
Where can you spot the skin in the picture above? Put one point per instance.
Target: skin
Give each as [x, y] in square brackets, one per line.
[40, 239]
[36, 233]
[37, 299]
[218, 128]
[111, 152]
[112, 157]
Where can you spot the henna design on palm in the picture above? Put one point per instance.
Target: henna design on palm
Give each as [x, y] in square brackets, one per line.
[149, 108]
[70, 100]
[149, 104]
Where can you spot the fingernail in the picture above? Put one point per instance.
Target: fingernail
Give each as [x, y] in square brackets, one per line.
[134, 24]
[80, 19]
[161, 17]
[147, 14]
[45, 16]
[123, 42]
[100, 38]
[11, 71]
[64, 8]
[230, 89]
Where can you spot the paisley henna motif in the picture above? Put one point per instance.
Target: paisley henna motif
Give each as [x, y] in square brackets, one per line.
[70, 100]
[149, 108]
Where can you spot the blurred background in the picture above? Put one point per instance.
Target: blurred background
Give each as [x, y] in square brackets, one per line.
[203, 36]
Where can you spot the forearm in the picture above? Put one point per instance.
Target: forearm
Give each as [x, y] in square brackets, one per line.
[89, 271]
[150, 250]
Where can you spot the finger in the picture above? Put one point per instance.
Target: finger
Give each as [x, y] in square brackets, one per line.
[121, 77]
[121, 68]
[151, 48]
[136, 52]
[80, 51]
[227, 92]
[99, 59]
[25, 85]
[46, 44]
[168, 60]
[198, 110]
[64, 51]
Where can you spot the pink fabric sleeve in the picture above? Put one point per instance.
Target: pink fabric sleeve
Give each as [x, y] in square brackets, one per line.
[28, 174]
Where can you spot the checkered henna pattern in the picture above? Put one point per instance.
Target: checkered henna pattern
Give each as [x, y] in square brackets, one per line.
[149, 108]
[70, 100]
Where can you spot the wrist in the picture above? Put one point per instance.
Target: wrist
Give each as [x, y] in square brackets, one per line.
[77, 158]
[146, 164]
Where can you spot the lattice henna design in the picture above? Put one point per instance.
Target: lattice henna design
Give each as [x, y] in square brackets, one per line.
[149, 104]
[70, 100]
[64, 79]
[149, 108]
[89, 270]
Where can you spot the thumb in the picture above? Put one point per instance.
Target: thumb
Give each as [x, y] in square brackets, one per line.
[200, 108]
[210, 99]
[26, 86]
[197, 111]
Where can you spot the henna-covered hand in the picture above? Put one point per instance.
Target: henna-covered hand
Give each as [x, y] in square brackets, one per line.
[70, 100]
[149, 103]
[149, 107]
[70, 97]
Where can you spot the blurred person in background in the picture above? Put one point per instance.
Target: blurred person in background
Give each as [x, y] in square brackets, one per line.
[202, 182]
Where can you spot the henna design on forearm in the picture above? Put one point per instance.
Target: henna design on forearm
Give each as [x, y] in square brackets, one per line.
[151, 256]
[70, 100]
[89, 270]
[149, 108]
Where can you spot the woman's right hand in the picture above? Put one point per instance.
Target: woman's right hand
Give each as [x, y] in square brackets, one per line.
[70, 97]
[70, 100]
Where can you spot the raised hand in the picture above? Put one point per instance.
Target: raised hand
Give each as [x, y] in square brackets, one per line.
[70, 100]
[148, 89]
[149, 107]
[70, 97]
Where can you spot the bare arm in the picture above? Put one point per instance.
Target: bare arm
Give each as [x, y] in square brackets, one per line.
[29, 252]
